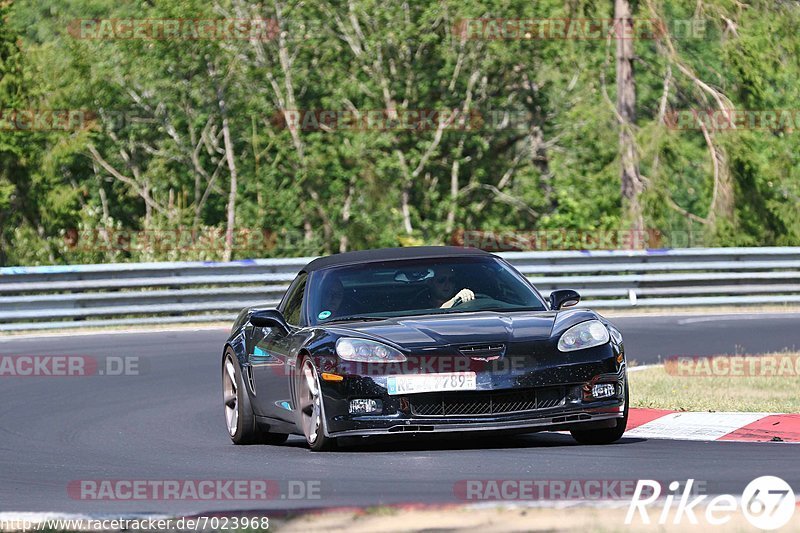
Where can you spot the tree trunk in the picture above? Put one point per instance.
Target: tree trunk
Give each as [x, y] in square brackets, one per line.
[631, 181]
[406, 210]
[230, 156]
[541, 160]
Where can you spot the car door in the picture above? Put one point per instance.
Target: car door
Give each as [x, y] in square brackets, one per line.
[273, 356]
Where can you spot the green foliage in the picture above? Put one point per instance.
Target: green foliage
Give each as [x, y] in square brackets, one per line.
[540, 150]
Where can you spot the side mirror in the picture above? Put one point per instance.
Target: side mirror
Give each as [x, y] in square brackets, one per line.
[563, 298]
[269, 318]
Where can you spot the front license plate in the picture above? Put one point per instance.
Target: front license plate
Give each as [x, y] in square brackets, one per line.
[447, 381]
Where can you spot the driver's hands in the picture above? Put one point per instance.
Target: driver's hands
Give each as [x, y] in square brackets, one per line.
[464, 295]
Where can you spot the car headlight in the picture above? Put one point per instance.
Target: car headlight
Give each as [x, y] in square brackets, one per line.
[584, 335]
[364, 351]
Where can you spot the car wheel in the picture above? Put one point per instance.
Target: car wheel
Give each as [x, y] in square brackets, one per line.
[605, 435]
[239, 417]
[310, 407]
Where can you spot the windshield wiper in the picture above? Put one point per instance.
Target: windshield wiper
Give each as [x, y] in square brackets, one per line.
[357, 317]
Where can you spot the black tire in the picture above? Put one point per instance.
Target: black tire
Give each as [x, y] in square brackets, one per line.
[311, 418]
[236, 402]
[605, 435]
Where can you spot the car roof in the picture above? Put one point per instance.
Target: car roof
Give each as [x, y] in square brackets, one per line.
[390, 254]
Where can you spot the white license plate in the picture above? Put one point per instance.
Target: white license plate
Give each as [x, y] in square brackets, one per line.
[447, 381]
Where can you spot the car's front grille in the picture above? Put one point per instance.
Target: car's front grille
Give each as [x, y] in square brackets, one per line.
[485, 403]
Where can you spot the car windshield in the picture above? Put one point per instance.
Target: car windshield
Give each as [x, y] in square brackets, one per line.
[416, 287]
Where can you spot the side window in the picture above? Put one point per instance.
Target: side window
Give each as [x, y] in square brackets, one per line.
[294, 301]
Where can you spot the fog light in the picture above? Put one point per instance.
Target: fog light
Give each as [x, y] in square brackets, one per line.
[574, 394]
[363, 406]
[603, 390]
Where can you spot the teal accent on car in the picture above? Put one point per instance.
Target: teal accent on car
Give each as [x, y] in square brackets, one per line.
[259, 352]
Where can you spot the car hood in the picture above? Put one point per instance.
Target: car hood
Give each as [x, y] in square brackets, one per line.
[455, 329]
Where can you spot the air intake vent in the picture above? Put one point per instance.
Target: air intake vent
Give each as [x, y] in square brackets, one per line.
[483, 350]
[485, 403]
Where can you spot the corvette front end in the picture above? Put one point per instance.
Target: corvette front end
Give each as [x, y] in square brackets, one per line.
[512, 392]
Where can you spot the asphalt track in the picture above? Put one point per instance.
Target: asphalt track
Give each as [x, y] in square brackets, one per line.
[167, 424]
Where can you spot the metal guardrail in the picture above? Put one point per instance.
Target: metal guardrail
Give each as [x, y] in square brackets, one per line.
[132, 293]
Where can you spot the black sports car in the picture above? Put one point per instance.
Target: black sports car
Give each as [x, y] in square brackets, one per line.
[421, 340]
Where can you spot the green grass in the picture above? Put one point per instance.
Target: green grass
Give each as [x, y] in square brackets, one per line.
[657, 388]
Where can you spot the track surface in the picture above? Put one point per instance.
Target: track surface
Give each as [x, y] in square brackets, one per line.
[167, 424]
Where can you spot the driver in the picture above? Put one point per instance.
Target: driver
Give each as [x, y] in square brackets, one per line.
[334, 298]
[443, 285]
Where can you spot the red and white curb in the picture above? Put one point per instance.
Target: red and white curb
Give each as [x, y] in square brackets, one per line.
[702, 426]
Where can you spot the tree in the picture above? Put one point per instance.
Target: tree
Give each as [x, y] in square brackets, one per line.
[631, 180]
[201, 137]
